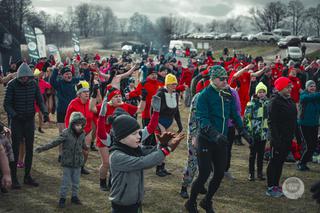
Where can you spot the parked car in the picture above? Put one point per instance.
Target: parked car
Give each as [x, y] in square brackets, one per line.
[246, 37]
[264, 36]
[313, 39]
[282, 32]
[289, 41]
[181, 47]
[237, 36]
[222, 36]
[294, 53]
[127, 48]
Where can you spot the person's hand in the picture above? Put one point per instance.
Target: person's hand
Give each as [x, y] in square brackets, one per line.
[180, 129]
[194, 141]
[243, 133]
[46, 118]
[175, 142]
[315, 190]
[156, 103]
[222, 139]
[104, 106]
[165, 138]
[144, 94]
[6, 130]
[6, 181]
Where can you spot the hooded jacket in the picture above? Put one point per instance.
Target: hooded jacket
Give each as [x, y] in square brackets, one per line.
[20, 97]
[309, 109]
[72, 144]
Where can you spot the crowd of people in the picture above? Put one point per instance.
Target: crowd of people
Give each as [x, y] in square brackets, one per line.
[97, 104]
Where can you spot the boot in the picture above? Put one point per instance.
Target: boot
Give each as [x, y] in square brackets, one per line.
[62, 203]
[206, 205]
[160, 172]
[103, 185]
[164, 169]
[30, 181]
[260, 176]
[184, 192]
[93, 147]
[40, 130]
[84, 171]
[203, 191]
[15, 184]
[251, 177]
[76, 200]
[191, 207]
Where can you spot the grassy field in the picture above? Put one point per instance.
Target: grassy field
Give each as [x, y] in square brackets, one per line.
[161, 194]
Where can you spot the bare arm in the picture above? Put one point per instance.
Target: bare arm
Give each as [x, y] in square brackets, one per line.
[240, 72]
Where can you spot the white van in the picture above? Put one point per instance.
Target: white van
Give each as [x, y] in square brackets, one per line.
[181, 47]
[282, 32]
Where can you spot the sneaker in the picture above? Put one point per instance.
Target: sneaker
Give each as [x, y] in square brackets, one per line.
[203, 191]
[229, 176]
[15, 184]
[206, 205]
[279, 189]
[40, 130]
[251, 177]
[166, 172]
[261, 177]
[30, 181]
[75, 200]
[184, 192]
[302, 167]
[62, 203]
[84, 171]
[273, 192]
[20, 165]
[191, 207]
[160, 172]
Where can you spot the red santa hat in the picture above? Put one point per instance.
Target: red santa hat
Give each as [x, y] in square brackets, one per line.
[112, 91]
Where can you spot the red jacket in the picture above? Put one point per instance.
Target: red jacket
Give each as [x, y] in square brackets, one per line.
[186, 77]
[152, 87]
[295, 92]
[276, 73]
[77, 106]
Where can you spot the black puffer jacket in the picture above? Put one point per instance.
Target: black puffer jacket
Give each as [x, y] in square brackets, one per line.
[20, 97]
[282, 121]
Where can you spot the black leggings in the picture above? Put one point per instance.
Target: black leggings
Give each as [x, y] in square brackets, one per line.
[277, 159]
[209, 154]
[257, 151]
[310, 134]
[231, 136]
[135, 208]
[22, 129]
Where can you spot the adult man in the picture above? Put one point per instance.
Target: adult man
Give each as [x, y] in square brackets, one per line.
[214, 108]
[22, 92]
[282, 124]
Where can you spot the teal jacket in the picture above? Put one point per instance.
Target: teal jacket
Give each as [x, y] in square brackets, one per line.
[215, 108]
[309, 109]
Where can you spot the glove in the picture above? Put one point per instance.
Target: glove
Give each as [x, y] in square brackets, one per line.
[315, 190]
[95, 90]
[46, 118]
[156, 103]
[243, 133]
[180, 129]
[165, 138]
[103, 110]
[175, 142]
[144, 94]
[222, 139]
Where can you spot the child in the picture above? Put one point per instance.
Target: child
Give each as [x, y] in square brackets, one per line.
[72, 159]
[255, 119]
[128, 159]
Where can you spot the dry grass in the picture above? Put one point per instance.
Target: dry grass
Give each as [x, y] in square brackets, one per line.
[161, 193]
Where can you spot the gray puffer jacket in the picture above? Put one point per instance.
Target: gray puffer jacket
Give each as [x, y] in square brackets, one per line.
[72, 144]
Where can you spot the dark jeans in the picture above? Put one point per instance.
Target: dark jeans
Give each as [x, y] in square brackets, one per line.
[257, 151]
[209, 154]
[22, 129]
[231, 136]
[277, 159]
[310, 134]
[151, 140]
[135, 208]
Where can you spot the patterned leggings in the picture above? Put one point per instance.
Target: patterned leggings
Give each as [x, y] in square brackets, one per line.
[191, 166]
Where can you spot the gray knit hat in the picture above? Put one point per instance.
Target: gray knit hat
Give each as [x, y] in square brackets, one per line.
[24, 71]
[309, 83]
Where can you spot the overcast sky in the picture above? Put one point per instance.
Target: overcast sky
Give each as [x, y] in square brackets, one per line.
[197, 10]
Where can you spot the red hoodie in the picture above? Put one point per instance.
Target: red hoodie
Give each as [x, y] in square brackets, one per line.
[186, 77]
[152, 87]
[77, 106]
[295, 92]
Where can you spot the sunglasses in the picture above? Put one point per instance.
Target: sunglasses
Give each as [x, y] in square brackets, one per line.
[223, 78]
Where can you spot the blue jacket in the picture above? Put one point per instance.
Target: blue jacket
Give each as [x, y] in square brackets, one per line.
[66, 90]
[309, 109]
[215, 108]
